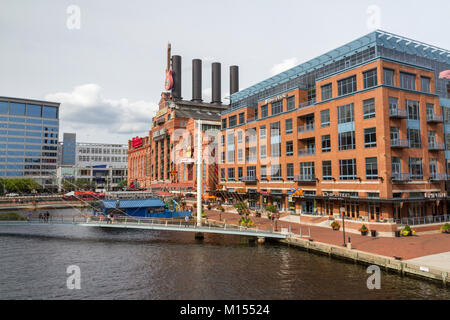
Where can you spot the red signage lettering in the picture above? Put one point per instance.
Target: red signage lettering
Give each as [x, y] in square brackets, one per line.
[136, 142]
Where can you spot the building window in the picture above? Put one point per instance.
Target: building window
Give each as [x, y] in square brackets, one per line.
[240, 156]
[239, 136]
[262, 132]
[327, 92]
[264, 112]
[277, 107]
[290, 171]
[325, 118]
[290, 103]
[369, 108]
[232, 121]
[275, 140]
[263, 151]
[326, 170]
[222, 140]
[222, 174]
[412, 109]
[346, 86]
[241, 117]
[414, 138]
[425, 84]
[370, 138]
[263, 173]
[345, 113]
[326, 143]
[289, 148]
[388, 77]
[415, 168]
[222, 158]
[240, 173]
[430, 110]
[371, 169]
[346, 140]
[407, 81]
[370, 78]
[251, 171]
[307, 170]
[288, 125]
[230, 174]
[347, 169]
[275, 173]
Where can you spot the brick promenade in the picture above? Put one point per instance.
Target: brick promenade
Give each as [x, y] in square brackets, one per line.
[404, 247]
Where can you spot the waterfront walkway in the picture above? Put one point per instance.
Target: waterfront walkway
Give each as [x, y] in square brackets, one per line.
[403, 247]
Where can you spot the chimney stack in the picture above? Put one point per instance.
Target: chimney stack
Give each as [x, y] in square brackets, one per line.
[176, 73]
[197, 80]
[234, 79]
[216, 86]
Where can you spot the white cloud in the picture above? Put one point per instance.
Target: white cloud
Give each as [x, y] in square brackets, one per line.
[95, 118]
[207, 94]
[286, 64]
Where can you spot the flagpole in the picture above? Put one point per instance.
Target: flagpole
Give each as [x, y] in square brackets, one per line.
[199, 177]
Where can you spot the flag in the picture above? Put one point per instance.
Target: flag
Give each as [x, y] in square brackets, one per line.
[444, 74]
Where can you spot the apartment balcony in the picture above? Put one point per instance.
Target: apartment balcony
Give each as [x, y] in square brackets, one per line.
[401, 177]
[249, 179]
[436, 146]
[438, 176]
[399, 143]
[397, 113]
[305, 128]
[435, 118]
[306, 152]
[305, 178]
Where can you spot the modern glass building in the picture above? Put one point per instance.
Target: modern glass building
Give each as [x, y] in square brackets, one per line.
[29, 140]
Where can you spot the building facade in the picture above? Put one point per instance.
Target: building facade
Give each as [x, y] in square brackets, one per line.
[103, 164]
[360, 131]
[29, 140]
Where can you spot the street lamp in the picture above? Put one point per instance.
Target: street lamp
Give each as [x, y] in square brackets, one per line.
[342, 209]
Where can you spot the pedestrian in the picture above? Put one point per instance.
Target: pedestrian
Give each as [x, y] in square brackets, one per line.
[40, 216]
[47, 216]
[108, 220]
[186, 218]
[29, 216]
[112, 217]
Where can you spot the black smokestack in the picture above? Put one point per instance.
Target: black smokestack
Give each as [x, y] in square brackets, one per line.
[216, 86]
[234, 79]
[197, 80]
[176, 74]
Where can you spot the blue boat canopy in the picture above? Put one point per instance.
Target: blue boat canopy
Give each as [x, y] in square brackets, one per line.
[133, 203]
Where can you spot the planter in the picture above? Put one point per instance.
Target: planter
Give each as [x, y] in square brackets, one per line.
[336, 228]
[397, 233]
[373, 233]
[363, 233]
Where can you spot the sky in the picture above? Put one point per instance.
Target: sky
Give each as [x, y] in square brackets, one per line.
[105, 60]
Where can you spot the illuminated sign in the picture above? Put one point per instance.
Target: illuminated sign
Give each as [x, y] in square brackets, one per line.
[276, 98]
[136, 142]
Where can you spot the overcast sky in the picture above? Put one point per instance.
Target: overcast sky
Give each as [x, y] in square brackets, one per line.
[108, 74]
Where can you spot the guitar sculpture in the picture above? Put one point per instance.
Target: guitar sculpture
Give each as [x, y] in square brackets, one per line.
[169, 77]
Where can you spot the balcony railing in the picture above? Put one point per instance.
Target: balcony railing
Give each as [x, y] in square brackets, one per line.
[436, 146]
[306, 152]
[399, 143]
[423, 220]
[435, 118]
[306, 128]
[397, 176]
[306, 103]
[249, 179]
[438, 176]
[305, 177]
[397, 113]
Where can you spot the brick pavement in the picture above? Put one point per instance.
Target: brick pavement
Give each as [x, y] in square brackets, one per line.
[404, 247]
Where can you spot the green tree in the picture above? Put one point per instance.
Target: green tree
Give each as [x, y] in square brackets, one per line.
[122, 183]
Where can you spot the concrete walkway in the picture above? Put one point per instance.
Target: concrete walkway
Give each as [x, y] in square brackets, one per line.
[403, 247]
[439, 261]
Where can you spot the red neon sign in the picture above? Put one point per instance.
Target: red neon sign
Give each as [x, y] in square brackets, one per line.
[136, 142]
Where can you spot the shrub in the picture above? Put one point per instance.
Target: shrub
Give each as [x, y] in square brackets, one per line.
[335, 225]
[363, 228]
[12, 216]
[406, 231]
[445, 228]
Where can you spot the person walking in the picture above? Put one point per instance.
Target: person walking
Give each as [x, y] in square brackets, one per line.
[47, 216]
[186, 218]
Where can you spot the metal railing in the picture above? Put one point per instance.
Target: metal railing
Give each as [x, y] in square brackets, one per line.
[306, 152]
[435, 118]
[397, 176]
[438, 176]
[305, 177]
[306, 103]
[397, 113]
[305, 128]
[436, 146]
[399, 143]
[249, 179]
[422, 220]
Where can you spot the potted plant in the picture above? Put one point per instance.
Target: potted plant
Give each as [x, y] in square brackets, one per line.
[445, 228]
[363, 230]
[335, 225]
[406, 231]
